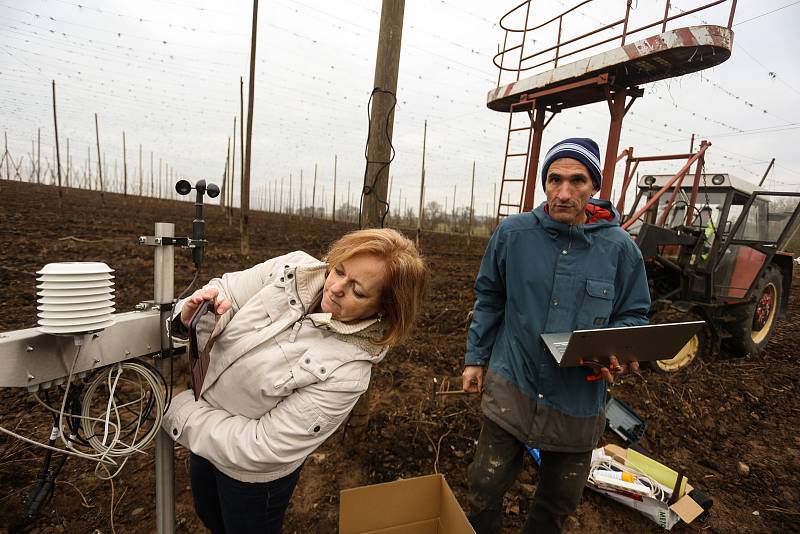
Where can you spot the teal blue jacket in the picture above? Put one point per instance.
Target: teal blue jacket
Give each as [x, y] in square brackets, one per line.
[539, 276]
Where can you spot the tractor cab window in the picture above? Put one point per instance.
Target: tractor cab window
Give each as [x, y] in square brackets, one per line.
[767, 218]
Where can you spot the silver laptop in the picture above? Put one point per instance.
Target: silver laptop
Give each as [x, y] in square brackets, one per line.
[642, 343]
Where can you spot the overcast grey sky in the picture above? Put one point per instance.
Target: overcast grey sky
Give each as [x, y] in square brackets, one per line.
[167, 73]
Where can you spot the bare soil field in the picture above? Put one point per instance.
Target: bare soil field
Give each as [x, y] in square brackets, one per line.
[702, 421]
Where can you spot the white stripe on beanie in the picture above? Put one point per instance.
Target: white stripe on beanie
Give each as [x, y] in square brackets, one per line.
[574, 147]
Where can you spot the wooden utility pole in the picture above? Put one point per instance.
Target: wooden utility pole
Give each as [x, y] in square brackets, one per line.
[245, 209]
[124, 167]
[69, 166]
[241, 130]
[58, 154]
[140, 170]
[233, 174]
[224, 192]
[453, 217]
[152, 188]
[99, 165]
[5, 156]
[314, 193]
[387, 66]
[333, 211]
[376, 177]
[422, 183]
[39, 154]
[471, 204]
[159, 178]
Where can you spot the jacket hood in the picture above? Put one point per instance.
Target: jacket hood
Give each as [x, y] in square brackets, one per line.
[600, 214]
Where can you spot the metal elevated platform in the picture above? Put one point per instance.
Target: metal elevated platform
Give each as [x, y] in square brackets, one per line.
[558, 72]
[669, 54]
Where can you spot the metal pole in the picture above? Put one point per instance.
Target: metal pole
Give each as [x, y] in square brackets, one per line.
[616, 105]
[531, 176]
[165, 448]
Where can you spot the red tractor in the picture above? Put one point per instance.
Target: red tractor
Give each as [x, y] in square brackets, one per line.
[715, 250]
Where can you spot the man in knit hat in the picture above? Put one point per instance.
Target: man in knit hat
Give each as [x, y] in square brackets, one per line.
[565, 266]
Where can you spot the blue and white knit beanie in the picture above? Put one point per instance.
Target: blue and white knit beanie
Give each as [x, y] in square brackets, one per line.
[582, 149]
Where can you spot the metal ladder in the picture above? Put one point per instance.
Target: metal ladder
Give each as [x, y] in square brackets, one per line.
[506, 208]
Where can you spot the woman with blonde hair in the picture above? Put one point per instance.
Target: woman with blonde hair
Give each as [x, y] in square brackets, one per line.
[294, 344]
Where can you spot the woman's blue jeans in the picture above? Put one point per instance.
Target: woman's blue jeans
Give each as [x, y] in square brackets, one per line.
[227, 505]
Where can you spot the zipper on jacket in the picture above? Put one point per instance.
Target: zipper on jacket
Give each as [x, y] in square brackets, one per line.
[569, 244]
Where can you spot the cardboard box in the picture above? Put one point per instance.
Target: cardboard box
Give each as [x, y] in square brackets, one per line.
[666, 516]
[422, 505]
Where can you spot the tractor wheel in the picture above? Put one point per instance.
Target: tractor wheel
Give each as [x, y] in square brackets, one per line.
[755, 321]
[695, 347]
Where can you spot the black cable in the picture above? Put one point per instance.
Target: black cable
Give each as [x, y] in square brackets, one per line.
[369, 189]
[168, 398]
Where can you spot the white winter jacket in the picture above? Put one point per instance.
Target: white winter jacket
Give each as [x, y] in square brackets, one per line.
[280, 380]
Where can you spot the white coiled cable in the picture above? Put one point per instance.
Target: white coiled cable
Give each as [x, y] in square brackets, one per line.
[107, 452]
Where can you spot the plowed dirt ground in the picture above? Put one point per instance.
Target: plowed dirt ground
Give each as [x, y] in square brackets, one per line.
[703, 420]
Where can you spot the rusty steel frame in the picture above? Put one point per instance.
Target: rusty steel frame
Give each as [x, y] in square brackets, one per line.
[631, 170]
[698, 157]
[559, 45]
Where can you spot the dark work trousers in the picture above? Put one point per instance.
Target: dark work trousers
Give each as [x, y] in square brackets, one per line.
[227, 505]
[499, 459]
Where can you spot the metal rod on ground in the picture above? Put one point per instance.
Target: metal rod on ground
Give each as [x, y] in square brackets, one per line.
[379, 141]
[422, 183]
[58, 155]
[164, 291]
